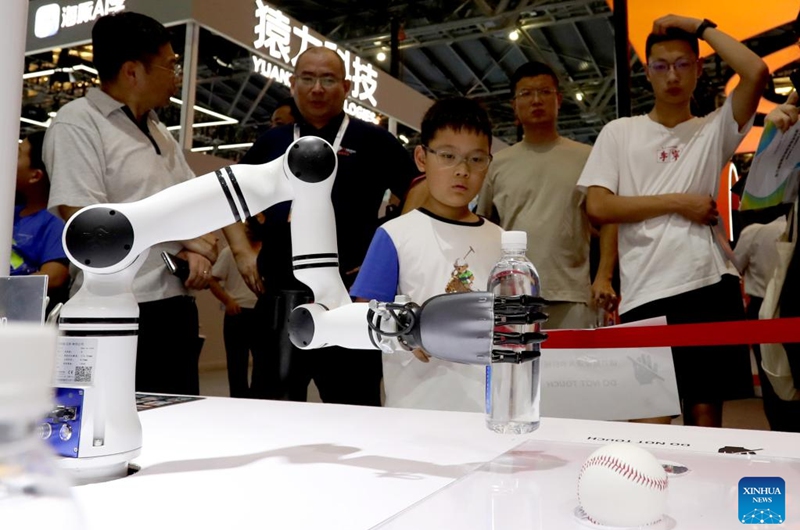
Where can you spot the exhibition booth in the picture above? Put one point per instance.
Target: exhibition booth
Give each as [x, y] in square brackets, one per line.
[218, 463]
[237, 59]
[235, 54]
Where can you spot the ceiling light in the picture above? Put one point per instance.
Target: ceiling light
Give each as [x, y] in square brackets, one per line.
[38, 73]
[68, 70]
[784, 90]
[223, 119]
[377, 43]
[44, 124]
[381, 56]
[579, 96]
[245, 145]
[403, 138]
[85, 68]
[207, 148]
[514, 35]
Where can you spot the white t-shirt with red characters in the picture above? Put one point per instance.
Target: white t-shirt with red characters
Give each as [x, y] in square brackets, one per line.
[635, 157]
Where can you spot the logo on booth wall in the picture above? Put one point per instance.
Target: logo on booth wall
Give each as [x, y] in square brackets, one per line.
[47, 21]
[282, 41]
[50, 18]
[762, 500]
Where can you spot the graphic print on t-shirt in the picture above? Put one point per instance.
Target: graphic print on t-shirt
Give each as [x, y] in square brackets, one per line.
[19, 267]
[666, 155]
[461, 278]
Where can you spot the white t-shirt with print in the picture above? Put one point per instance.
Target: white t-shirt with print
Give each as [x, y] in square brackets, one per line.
[422, 255]
[635, 157]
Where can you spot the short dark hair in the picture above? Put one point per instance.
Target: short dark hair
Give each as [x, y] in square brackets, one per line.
[123, 37]
[318, 50]
[531, 69]
[458, 114]
[293, 110]
[669, 35]
[37, 141]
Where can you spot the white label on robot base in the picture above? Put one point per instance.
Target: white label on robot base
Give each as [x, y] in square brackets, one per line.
[75, 361]
[609, 384]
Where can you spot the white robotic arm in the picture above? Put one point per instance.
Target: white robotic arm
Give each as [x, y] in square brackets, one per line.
[96, 422]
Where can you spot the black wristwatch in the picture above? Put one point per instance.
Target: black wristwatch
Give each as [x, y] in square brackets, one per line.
[704, 25]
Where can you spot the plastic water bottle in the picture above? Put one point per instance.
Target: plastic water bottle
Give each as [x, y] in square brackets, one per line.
[512, 389]
[33, 492]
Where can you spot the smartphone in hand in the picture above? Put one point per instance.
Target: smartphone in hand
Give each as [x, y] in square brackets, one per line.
[178, 267]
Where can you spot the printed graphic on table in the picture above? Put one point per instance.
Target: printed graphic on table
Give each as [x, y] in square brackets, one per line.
[762, 500]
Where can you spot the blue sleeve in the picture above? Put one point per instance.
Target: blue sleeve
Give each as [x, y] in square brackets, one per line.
[51, 248]
[377, 279]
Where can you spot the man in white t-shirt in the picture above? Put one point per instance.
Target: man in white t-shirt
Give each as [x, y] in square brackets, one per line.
[656, 176]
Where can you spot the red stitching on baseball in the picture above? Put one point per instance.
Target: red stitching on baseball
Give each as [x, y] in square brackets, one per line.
[623, 469]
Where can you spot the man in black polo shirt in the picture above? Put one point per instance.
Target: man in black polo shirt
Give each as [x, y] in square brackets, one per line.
[371, 161]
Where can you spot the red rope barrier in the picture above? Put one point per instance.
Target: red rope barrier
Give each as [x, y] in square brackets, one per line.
[779, 330]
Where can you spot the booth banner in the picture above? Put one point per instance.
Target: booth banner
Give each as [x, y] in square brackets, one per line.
[609, 384]
[773, 176]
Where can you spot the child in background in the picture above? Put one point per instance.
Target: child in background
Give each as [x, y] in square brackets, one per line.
[36, 247]
[440, 247]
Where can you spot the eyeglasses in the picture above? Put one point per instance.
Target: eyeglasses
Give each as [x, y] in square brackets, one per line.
[448, 158]
[530, 93]
[326, 81]
[177, 69]
[681, 66]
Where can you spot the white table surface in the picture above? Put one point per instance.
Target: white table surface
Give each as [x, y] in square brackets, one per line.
[223, 463]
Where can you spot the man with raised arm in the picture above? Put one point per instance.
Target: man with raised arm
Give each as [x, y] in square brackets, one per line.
[656, 176]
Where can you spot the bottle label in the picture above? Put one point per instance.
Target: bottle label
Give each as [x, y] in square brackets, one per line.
[75, 361]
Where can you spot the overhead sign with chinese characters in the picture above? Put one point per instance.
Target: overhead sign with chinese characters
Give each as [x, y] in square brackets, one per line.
[282, 41]
[64, 23]
[274, 39]
[243, 22]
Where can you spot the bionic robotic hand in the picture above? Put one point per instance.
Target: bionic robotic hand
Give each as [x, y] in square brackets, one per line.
[464, 328]
[96, 425]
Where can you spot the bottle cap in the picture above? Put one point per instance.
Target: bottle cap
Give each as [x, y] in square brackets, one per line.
[27, 356]
[514, 240]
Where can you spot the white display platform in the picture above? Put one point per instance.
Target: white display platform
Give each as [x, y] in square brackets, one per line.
[223, 463]
[533, 487]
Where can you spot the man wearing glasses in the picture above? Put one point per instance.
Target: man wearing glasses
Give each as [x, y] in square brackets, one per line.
[531, 185]
[656, 176]
[371, 161]
[110, 147]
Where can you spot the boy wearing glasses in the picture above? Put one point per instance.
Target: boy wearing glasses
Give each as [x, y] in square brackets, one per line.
[440, 247]
[656, 176]
[531, 185]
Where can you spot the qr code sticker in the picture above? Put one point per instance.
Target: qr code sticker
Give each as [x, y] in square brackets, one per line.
[83, 374]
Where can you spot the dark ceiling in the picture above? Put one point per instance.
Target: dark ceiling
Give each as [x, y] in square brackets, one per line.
[447, 48]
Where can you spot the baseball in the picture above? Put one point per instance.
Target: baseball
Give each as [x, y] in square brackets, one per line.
[622, 485]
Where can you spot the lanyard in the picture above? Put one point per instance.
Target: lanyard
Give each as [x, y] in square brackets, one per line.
[337, 142]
